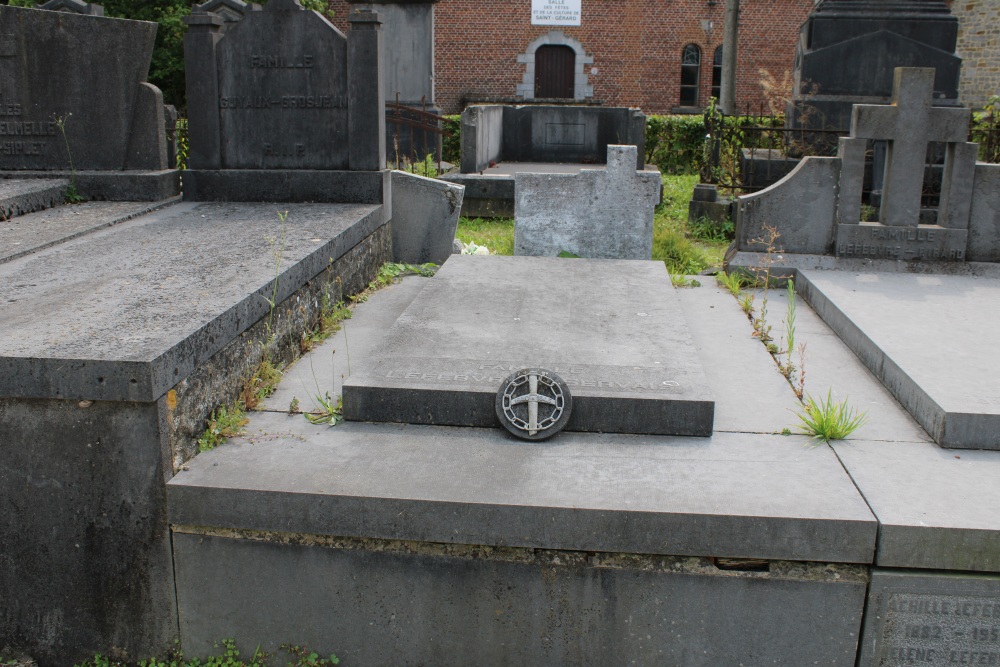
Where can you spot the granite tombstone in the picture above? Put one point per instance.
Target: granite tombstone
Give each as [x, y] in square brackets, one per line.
[78, 111]
[282, 106]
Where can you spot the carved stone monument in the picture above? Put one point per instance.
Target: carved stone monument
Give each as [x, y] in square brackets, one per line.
[598, 213]
[816, 209]
[848, 49]
[76, 112]
[284, 107]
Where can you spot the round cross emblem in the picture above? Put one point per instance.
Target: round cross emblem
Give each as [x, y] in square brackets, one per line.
[534, 404]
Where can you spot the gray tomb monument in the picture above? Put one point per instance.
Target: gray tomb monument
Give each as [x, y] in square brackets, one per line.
[74, 6]
[77, 112]
[816, 209]
[231, 11]
[598, 213]
[279, 119]
[848, 50]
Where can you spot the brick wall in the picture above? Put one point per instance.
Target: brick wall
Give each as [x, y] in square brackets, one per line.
[979, 48]
[636, 46]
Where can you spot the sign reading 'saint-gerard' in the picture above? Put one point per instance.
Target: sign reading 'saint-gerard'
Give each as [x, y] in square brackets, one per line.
[555, 12]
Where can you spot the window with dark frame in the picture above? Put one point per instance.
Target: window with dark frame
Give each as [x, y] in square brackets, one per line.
[690, 70]
[717, 73]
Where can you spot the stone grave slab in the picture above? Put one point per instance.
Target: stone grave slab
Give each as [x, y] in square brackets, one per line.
[30, 233]
[937, 509]
[931, 619]
[19, 196]
[928, 339]
[613, 329]
[100, 317]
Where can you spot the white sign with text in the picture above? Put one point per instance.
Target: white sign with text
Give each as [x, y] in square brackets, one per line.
[555, 12]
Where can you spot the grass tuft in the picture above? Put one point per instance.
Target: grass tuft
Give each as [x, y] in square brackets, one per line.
[827, 420]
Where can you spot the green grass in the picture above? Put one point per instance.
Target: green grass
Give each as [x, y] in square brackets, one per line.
[674, 243]
[827, 420]
[685, 250]
[497, 234]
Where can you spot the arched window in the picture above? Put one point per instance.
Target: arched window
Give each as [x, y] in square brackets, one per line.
[554, 71]
[717, 73]
[690, 69]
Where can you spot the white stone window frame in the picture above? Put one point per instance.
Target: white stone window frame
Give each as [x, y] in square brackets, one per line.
[581, 87]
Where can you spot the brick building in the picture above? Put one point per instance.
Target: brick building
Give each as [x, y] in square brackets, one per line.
[658, 55]
[624, 53]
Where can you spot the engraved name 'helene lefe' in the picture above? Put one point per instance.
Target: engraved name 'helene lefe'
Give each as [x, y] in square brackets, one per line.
[580, 378]
[942, 630]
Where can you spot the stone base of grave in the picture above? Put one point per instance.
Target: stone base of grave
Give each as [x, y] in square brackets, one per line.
[366, 187]
[114, 185]
[714, 549]
[116, 344]
[621, 346]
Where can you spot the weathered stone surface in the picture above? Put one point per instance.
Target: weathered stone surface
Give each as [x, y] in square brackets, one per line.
[20, 196]
[906, 243]
[896, 324]
[282, 91]
[33, 232]
[800, 207]
[86, 560]
[77, 317]
[984, 216]
[736, 495]
[289, 185]
[267, 122]
[424, 218]
[623, 349]
[936, 510]
[931, 619]
[599, 213]
[485, 196]
[110, 115]
[495, 606]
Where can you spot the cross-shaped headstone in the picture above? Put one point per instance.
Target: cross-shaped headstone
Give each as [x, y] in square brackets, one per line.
[909, 124]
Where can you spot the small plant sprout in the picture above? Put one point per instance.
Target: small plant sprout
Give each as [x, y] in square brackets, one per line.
[827, 420]
[327, 410]
[72, 195]
[731, 281]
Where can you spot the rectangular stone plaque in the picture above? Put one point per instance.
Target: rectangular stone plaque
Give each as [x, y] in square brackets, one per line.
[933, 619]
[921, 243]
[612, 329]
[565, 134]
[283, 91]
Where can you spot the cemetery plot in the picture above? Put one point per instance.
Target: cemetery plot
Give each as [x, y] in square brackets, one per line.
[612, 329]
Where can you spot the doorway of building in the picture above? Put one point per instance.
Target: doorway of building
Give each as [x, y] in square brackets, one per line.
[554, 71]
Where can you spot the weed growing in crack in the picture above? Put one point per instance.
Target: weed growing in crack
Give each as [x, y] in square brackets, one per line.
[827, 420]
[72, 195]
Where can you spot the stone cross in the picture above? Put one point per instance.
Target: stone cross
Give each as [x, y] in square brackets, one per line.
[909, 123]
